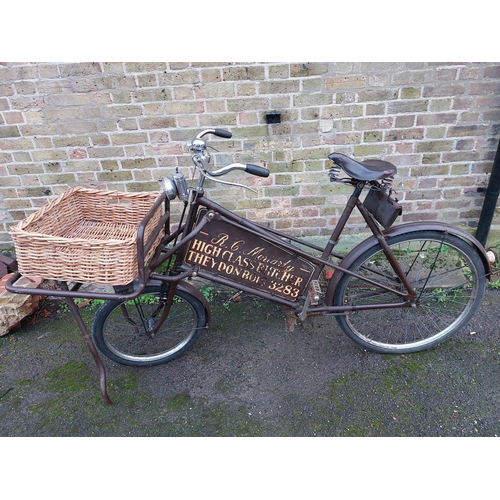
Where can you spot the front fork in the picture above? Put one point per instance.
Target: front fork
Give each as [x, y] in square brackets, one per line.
[165, 310]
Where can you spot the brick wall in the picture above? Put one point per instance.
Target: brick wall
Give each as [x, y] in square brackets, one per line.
[124, 125]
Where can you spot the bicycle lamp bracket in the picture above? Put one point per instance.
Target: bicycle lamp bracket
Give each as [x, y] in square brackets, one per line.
[177, 186]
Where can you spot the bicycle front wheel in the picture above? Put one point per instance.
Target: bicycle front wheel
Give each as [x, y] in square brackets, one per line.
[447, 275]
[127, 332]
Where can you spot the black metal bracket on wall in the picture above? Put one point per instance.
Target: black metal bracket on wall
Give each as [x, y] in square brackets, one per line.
[490, 201]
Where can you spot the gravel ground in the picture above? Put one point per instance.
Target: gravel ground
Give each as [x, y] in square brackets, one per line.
[248, 376]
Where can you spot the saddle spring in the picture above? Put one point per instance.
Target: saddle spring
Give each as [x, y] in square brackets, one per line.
[386, 184]
[334, 174]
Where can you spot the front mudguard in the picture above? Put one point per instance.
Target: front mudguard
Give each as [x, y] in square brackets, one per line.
[409, 227]
[188, 288]
[181, 285]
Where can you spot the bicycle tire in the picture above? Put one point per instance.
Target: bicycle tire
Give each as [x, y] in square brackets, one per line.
[447, 274]
[121, 330]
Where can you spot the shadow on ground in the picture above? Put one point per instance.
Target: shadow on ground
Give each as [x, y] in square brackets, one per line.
[248, 376]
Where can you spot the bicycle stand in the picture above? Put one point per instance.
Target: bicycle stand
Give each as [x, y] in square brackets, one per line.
[69, 297]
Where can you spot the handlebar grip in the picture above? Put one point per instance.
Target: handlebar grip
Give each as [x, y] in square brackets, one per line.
[219, 132]
[256, 170]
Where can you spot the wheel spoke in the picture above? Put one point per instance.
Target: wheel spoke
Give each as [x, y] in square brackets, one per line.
[447, 275]
[125, 332]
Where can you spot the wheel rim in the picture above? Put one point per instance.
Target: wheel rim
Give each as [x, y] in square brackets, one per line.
[445, 279]
[127, 329]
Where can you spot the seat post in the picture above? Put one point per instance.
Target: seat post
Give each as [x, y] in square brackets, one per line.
[350, 205]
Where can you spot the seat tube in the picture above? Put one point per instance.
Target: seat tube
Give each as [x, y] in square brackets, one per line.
[351, 203]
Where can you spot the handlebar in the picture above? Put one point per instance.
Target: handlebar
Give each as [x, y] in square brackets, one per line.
[256, 170]
[201, 157]
[249, 168]
[219, 132]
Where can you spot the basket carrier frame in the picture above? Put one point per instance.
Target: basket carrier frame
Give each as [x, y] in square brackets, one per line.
[71, 291]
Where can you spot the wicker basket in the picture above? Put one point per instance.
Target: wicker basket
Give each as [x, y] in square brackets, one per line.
[87, 236]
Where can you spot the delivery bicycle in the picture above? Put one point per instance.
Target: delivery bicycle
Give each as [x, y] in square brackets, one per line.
[403, 289]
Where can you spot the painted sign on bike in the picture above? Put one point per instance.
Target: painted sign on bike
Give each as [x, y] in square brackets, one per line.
[232, 252]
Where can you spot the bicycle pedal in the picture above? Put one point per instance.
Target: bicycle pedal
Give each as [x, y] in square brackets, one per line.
[314, 292]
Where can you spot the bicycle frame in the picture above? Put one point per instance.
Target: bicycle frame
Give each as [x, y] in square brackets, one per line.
[205, 255]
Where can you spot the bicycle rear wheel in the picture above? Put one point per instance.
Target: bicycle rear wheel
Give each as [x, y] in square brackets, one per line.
[124, 331]
[447, 275]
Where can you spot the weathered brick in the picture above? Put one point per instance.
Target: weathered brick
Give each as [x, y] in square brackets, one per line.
[121, 111]
[172, 78]
[77, 128]
[279, 71]
[308, 69]
[79, 166]
[152, 95]
[137, 187]
[138, 163]
[60, 100]
[12, 117]
[145, 67]
[25, 88]
[219, 120]
[412, 77]
[147, 80]
[308, 201]
[415, 133]
[49, 179]
[435, 132]
[9, 131]
[160, 122]
[453, 90]
[25, 169]
[375, 136]
[180, 108]
[63, 115]
[447, 74]
[92, 84]
[467, 130]
[411, 93]
[314, 99]
[432, 146]
[48, 155]
[373, 150]
[15, 73]
[311, 154]
[436, 119]
[482, 88]
[492, 71]
[377, 95]
[374, 123]
[243, 73]
[345, 82]
[79, 69]
[105, 152]
[410, 106]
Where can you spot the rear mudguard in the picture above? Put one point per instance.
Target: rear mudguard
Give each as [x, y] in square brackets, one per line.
[410, 227]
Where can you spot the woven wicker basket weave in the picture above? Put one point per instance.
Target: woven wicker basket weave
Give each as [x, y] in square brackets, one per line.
[86, 235]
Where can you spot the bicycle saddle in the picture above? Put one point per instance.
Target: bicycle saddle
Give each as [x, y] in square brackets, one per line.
[369, 170]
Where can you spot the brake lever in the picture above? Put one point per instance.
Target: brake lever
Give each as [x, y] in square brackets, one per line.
[208, 176]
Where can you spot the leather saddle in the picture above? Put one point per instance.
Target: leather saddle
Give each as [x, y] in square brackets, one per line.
[369, 170]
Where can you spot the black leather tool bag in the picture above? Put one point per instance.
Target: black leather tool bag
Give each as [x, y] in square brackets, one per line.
[384, 208]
